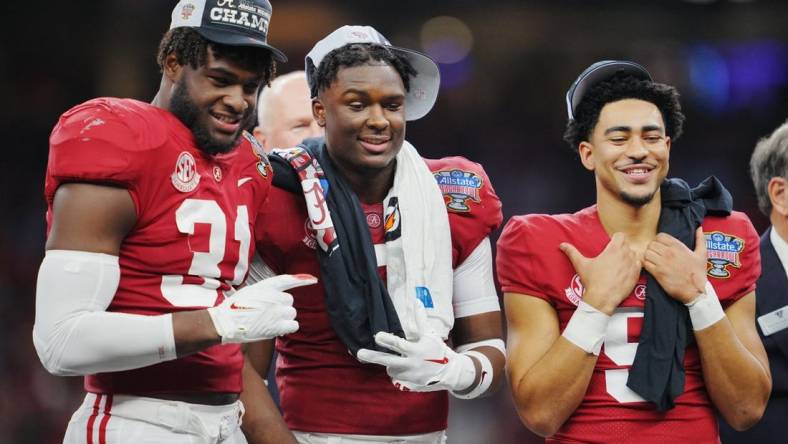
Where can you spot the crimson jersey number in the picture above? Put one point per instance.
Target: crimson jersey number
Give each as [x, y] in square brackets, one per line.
[206, 264]
[622, 352]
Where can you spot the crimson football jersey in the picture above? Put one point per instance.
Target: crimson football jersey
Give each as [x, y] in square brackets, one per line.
[193, 235]
[322, 387]
[529, 262]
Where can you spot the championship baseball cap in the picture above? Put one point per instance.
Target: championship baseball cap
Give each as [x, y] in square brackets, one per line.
[229, 22]
[599, 72]
[423, 87]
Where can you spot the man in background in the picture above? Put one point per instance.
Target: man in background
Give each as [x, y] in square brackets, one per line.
[284, 113]
[769, 172]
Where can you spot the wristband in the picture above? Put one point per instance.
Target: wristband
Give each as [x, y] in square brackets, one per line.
[485, 379]
[586, 328]
[705, 310]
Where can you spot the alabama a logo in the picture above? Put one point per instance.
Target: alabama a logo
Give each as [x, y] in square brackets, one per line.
[458, 187]
[185, 177]
[723, 251]
[574, 292]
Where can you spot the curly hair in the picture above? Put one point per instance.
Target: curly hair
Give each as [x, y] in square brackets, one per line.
[191, 48]
[355, 54]
[619, 87]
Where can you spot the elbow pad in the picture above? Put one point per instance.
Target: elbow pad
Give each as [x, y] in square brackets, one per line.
[74, 334]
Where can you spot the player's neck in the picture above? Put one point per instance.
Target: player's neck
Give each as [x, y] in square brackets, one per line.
[371, 186]
[639, 223]
[162, 97]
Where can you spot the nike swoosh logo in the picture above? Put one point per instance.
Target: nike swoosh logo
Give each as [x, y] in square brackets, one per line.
[235, 307]
[445, 360]
[243, 180]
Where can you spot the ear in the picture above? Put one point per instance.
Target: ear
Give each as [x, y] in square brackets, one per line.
[586, 152]
[172, 69]
[778, 195]
[319, 112]
[260, 136]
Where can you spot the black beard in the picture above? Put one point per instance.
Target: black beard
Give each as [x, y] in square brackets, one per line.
[638, 201]
[184, 108]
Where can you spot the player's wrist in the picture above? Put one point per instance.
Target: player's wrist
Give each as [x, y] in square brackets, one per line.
[705, 310]
[602, 304]
[587, 328]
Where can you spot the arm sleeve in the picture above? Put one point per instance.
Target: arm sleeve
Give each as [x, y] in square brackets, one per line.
[474, 287]
[75, 335]
[517, 260]
[473, 207]
[743, 267]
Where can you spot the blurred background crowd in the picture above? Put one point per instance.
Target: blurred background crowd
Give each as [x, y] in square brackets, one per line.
[505, 66]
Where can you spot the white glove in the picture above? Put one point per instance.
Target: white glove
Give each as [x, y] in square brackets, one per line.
[426, 363]
[259, 311]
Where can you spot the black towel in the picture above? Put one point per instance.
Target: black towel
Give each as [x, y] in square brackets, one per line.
[657, 373]
[357, 300]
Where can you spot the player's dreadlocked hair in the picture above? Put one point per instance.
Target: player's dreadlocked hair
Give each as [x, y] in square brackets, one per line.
[355, 54]
[191, 48]
[664, 97]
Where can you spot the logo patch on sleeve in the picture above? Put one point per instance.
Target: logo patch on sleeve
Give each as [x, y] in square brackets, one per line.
[263, 164]
[723, 251]
[459, 187]
[574, 292]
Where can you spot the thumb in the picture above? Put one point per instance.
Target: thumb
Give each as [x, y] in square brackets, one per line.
[285, 282]
[575, 257]
[700, 243]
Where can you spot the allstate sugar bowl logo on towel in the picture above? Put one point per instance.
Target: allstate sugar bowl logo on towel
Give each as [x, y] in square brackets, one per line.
[460, 187]
[723, 250]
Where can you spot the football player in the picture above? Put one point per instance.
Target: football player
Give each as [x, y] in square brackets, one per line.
[401, 245]
[150, 215]
[632, 320]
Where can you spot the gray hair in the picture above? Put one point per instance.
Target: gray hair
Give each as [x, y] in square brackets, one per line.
[769, 159]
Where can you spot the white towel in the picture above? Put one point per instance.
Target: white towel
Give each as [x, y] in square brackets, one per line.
[419, 262]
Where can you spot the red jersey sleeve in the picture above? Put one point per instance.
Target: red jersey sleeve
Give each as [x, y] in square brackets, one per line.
[99, 141]
[734, 258]
[518, 259]
[281, 227]
[474, 208]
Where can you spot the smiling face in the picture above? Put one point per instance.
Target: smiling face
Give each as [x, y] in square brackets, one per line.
[628, 152]
[363, 112]
[215, 101]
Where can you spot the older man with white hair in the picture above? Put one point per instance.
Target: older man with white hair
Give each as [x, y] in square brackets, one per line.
[284, 113]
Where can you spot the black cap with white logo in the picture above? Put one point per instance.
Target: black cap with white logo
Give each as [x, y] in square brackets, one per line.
[596, 73]
[229, 22]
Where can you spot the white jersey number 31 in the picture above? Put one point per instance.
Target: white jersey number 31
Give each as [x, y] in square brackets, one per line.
[206, 264]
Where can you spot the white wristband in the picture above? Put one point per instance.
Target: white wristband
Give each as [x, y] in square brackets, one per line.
[705, 310]
[586, 328]
[485, 379]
